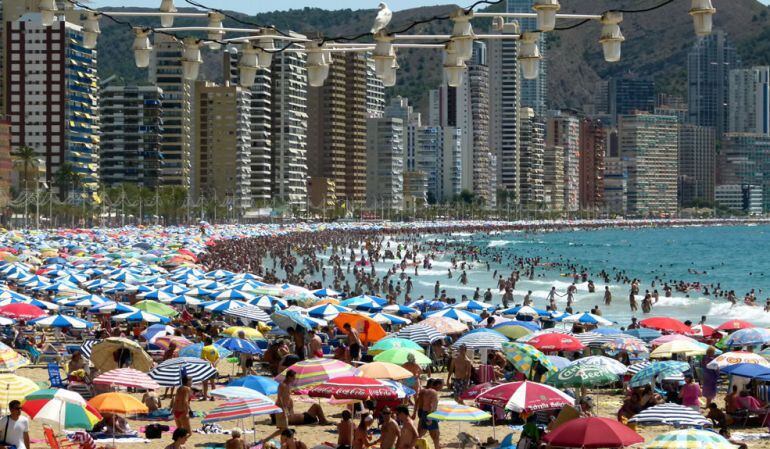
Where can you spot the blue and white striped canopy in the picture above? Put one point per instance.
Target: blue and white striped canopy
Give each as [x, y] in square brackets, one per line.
[112, 306]
[474, 306]
[61, 321]
[268, 302]
[587, 318]
[326, 292]
[224, 305]
[326, 311]
[141, 316]
[456, 314]
[185, 300]
[233, 294]
[239, 345]
[386, 318]
[399, 309]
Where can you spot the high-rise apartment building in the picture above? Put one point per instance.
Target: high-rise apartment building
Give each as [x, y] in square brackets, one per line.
[483, 171]
[336, 135]
[131, 133]
[532, 144]
[749, 100]
[553, 178]
[593, 147]
[563, 131]
[51, 98]
[399, 107]
[649, 148]
[223, 144]
[534, 93]
[375, 91]
[746, 162]
[166, 73]
[627, 95]
[6, 163]
[385, 163]
[697, 164]
[504, 105]
[261, 142]
[708, 67]
[615, 176]
[289, 130]
[439, 156]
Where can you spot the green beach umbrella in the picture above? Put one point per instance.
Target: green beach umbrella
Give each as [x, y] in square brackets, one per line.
[394, 343]
[158, 308]
[582, 376]
[523, 356]
[399, 357]
[690, 439]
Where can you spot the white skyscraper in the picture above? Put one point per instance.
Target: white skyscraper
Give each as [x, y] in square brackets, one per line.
[749, 100]
[385, 163]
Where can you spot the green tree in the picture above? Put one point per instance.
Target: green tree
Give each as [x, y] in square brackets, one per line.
[27, 156]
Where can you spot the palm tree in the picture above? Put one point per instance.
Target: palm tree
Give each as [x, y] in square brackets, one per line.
[65, 179]
[27, 157]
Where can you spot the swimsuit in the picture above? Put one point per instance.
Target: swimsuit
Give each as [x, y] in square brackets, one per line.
[425, 422]
[459, 386]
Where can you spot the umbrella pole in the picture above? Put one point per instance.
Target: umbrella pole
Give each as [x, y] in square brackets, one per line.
[494, 431]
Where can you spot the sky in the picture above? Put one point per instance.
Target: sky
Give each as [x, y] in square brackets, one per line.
[255, 6]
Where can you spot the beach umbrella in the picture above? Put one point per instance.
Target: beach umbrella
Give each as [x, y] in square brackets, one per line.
[156, 308]
[587, 318]
[399, 309]
[582, 375]
[268, 302]
[239, 345]
[10, 360]
[223, 305]
[669, 338]
[748, 370]
[627, 344]
[420, 334]
[103, 354]
[141, 316]
[386, 318]
[689, 439]
[456, 314]
[249, 313]
[84, 301]
[165, 341]
[353, 387]
[445, 325]
[241, 409]
[21, 311]
[524, 356]
[156, 331]
[326, 292]
[394, 343]
[61, 412]
[481, 340]
[686, 348]
[452, 411]
[424, 305]
[527, 338]
[231, 393]
[558, 362]
[672, 415]
[366, 303]
[248, 332]
[384, 370]
[157, 295]
[516, 329]
[734, 325]
[592, 432]
[85, 348]
[261, 384]
[643, 333]
[316, 371]
[595, 339]
[169, 373]
[196, 351]
[13, 387]
[474, 305]
[112, 306]
[736, 357]
[61, 322]
[400, 356]
[117, 403]
[612, 365]
[126, 377]
[649, 373]
[756, 336]
[326, 311]
[185, 300]
[521, 312]
[525, 396]
[288, 320]
[666, 324]
[556, 342]
[369, 331]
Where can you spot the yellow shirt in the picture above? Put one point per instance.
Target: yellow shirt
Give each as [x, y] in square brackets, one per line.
[210, 353]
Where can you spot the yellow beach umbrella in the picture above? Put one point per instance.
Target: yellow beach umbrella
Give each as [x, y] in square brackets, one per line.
[13, 387]
[248, 332]
[384, 370]
[684, 347]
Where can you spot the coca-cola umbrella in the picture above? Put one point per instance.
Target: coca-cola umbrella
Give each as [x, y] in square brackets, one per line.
[525, 397]
[354, 387]
[593, 433]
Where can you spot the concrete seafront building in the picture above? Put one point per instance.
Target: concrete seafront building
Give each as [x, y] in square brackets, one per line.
[261, 132]
[749, 100]
[627, 95]
[532, 145]
[385, 163]
[746, 162]
[534, 93]
[415, 181]
[649, 148]
[51, 94]
[553, 178]
[222, 157]
[593, 147]
[336, 134]
[176, 145]
[375, 91]
[740, 198]
[6, 163]
[439, 157]
[697, 164]
[708, 66]
[615, 176]
[483, 172]
[289, 129]
[504, 104]
[563, 131]
[131, 133]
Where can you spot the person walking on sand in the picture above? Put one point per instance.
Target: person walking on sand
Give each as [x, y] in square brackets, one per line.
[407, 438]
[424, 405]
[181, 404]
[462, 368]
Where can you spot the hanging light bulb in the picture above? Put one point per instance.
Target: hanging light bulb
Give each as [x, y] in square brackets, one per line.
[142, 47]
[317, 67]
[191, 58]
[389, 77]
[611, 37]
[454, 67]
[546, 14]
[384, 53]
[529, 54]
[462, 34]
[702, 13]
[215, 21]
[167, 6]
[47, 12]
[267, 47]
[91, 29]
[248, 64]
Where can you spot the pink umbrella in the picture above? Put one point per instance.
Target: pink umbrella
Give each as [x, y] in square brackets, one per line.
[669, 338]
[126, 377]
[525, 397]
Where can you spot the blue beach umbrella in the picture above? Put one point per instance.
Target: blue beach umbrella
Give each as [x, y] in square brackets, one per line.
[61, 322]
[112, 306]
[224, 305]
[239, 345]
[195, 351]
[754, 336]
[587, 318]
[268, 302]
[326, 311]
[326, 292]
[521, 312]
[474, 305]
[184, 300]
[399, 309]
[290, 319]
[647, 375]
[456, 314]
[141, 316]
[233, 295]
[644, 334]
[749, 370]
[262, 384]
[428, 304]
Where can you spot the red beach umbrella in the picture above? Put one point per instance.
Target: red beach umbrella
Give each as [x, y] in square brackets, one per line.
[666, 324]
[525, 397]
[591, 433]
[734, 325]
[552, 342]
[354, 387]
[21, 311]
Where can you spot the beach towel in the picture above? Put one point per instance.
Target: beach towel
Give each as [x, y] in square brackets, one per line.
[122, 440]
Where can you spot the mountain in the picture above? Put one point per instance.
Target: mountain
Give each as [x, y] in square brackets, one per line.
[656, 43]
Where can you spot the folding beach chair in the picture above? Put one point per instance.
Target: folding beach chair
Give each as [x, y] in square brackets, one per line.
[54, 376]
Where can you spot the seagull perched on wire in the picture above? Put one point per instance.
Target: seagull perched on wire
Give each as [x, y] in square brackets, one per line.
[383, 18]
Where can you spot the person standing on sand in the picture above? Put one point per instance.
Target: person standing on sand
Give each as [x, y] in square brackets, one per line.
[345, 430]
[389, 429]
[181, 404]
[462, 368]
[414, 381]
[407, 438]
[354, 342]
[424, 405]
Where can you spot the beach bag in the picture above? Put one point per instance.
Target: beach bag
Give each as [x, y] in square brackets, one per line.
[155, 431]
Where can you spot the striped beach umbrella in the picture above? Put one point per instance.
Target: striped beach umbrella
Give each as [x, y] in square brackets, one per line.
[241, 409]
[13, 387]
[83, 301]
[420, 334]
[736, 357]
[61, 413]
[85, 348]
[460, 315]
[525, 397]
[112, 306]
[141, 317]
[690, 439]
[126, 377]
[755, 336]
[481, 340]
[474, 306]
[169, 373]
[249, 313]
[595, 339]
[233, 392]
[611, 365]
[231, 294]
[394, 343]
[165, 341]
[11, 360]
[523, 356]
[452, 411]
[587, 318]
[672, 415]
[354, 387]
[399, 309]
[157, 295]
[268, 302]
[516, 329]
[239, 345]
[386, 318]
[647, 375]
[315, 371]
[185, 300]
[627, 344]
[326, 311]
[61, 322]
